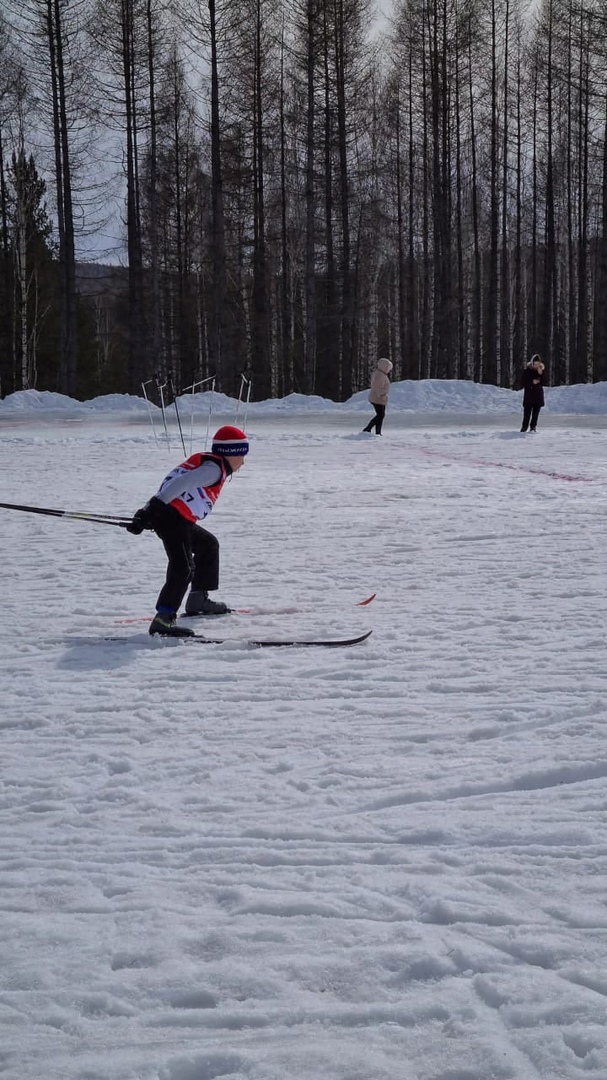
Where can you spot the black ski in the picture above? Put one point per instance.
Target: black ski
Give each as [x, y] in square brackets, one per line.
[244, 611]
[327, 643]
[199, 639]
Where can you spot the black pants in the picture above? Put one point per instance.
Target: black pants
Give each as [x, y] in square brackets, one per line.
[530, 413]
[193, 555]
[378, 419]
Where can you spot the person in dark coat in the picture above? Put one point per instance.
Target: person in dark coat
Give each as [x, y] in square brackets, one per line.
[532, 381]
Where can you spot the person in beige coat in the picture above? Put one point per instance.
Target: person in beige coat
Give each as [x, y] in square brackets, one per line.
[378, 394]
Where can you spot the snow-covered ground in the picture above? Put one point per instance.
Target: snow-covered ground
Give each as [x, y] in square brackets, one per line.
[387, 862]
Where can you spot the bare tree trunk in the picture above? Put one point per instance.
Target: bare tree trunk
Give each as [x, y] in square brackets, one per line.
[505, 370]
[310, 197]
[426, 368]
[550, 280]
[412, 361]
[21, 290]
[599, 353]
[491, 350]
[534, 291]
[65, 216]
[477, 271]
[582, 369]
[179, 321]
[7, 381]
[461, 367]
[404, 350]
[347, 306]
[329, 344]
[519, 325]
[285, 380]
[155, 306]
[218, 246]
[137, 366]
[261, 340]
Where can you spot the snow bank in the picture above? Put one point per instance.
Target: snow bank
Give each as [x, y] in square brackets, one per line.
[424, 396]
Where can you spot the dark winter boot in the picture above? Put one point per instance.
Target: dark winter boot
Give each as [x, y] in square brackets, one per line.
[165, 623]
[199, 603]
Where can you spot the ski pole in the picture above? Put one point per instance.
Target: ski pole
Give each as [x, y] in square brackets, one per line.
[172, 390]
[99, 519]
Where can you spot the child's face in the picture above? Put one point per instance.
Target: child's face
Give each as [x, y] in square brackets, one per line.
[235, 461]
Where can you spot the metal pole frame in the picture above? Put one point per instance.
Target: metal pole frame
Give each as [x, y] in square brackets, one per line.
[211, 379]
[161, 387]
[149, 405]
[248, 383]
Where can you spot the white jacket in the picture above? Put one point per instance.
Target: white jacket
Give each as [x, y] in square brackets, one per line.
[380, 383]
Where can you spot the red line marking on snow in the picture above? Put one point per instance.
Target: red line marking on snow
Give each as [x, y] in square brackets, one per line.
[247, 611]
[515, 468]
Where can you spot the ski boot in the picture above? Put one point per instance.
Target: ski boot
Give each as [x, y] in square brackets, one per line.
[199, 603]
[165, 623]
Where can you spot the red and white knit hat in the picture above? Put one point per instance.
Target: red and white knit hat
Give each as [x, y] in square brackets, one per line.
[230, 441]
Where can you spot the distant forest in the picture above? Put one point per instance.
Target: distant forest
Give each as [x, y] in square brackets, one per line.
[302, 190]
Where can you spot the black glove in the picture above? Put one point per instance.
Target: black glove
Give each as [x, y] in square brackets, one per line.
[139, 523]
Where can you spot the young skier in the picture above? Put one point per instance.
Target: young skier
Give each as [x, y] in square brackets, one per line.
[185, 497]
[532, 381]
[378, 395]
